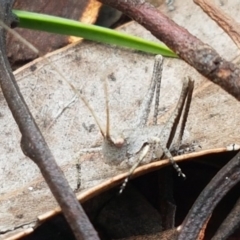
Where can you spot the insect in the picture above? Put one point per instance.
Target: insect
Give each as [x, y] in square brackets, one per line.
[128, 148]
[142, 143]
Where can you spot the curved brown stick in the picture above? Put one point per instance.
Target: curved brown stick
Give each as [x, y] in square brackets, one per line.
[229, 224]
[189, 48]
[225, 21]
[222, 183]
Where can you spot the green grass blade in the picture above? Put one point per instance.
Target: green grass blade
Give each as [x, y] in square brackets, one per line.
[64, 26]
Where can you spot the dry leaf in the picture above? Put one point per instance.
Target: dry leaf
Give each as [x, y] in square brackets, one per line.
[85, 11]
[212, 121]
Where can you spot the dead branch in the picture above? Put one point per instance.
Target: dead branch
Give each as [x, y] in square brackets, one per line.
[189, 48]
[230, 223]
[202, 209]
[33, 143]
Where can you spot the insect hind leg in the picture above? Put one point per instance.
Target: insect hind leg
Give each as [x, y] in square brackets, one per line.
[154, 88]
[168, 154]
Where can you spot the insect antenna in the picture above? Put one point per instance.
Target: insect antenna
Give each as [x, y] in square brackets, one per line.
[35, 50]
[19, 37]
[109, 140]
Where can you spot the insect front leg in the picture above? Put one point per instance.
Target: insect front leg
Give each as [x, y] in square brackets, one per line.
[143, 154]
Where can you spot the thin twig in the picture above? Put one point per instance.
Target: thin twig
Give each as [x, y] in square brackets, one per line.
[230, 223]
[225, 21]
[33, 143]
[202, 209]
[192, 50]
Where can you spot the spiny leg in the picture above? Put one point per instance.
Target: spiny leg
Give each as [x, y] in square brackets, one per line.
[155, 144]
[173, 121]
[170, 158]
[171, 126]
[144, 110]
[186, 111]
[185, 99]
[157, 79]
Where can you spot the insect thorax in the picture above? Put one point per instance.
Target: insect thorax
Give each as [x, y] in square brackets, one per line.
[127, 147]
[114, 154]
